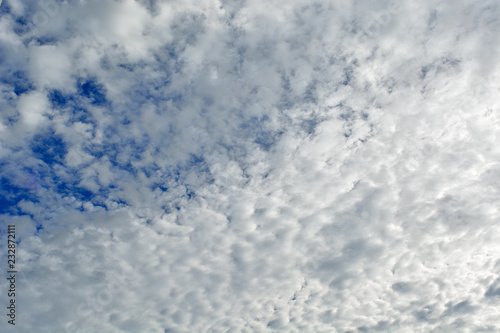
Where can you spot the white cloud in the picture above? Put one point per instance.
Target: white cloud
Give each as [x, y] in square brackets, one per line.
[51, 66]
[32, 108]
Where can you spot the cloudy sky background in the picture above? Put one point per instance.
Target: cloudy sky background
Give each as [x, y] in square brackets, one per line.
[251, 166]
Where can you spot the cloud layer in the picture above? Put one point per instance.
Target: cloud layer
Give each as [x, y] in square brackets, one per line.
[252, 166]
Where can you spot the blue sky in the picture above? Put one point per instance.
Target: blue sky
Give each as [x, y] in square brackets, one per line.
[251, 166]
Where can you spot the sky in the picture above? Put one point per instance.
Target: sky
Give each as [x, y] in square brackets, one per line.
[251, 166]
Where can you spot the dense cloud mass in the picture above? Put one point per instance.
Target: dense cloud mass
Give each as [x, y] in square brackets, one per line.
[251, 165]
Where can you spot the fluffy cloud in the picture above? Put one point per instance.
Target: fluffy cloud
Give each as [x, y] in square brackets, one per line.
[251, 166]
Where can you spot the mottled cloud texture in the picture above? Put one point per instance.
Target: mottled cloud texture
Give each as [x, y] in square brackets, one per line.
[251, 165]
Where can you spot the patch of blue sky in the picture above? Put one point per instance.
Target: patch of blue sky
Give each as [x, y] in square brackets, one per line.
[190, 192]
[128, 66]
[26, 184]
[58, 100]
[49, 147]
[82, 115]
[21, 25]
[92, 90]
[19, 81]
[196, 161]
[56, 179]
[72, 189]
[5, 8]
[11, 195]
[41, 40]
[46, 40]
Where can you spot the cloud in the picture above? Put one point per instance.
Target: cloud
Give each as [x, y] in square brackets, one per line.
[186, 166]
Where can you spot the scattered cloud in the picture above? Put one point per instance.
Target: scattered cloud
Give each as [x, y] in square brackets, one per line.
[251, 166]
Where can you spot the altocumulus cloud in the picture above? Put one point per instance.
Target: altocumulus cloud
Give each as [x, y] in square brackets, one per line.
[251, 166]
